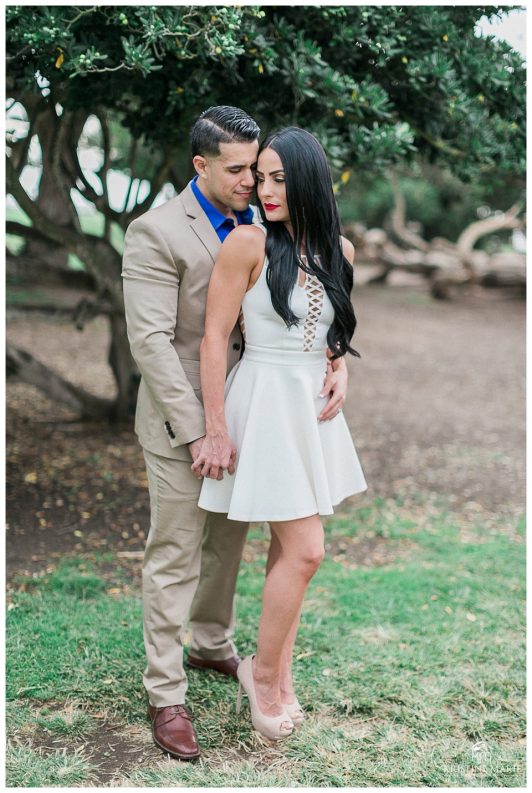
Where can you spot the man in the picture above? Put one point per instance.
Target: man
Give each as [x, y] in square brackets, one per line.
[191, 558]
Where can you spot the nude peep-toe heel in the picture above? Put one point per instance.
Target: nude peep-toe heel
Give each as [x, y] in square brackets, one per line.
[295, 712]
[272, 727]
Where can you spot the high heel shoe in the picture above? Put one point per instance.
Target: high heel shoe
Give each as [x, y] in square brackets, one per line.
[272, 727]
[295, 712]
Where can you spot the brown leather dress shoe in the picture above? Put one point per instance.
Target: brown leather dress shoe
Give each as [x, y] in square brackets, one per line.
[227, 667]
[174, 732]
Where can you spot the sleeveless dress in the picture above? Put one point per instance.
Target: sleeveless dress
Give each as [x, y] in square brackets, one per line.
[288, 464]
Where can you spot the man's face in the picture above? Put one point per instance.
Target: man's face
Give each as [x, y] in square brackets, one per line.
[228, 180]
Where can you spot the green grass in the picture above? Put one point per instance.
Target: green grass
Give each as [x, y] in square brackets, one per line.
[28, 768]
[77, 726]
[412, 672]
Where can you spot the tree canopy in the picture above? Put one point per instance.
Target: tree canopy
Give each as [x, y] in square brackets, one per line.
[379, 85]
[376, 83]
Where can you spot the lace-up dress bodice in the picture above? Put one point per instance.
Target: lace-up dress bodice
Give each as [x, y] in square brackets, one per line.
[262, 327]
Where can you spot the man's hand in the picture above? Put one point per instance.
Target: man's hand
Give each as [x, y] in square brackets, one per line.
[217, 454]
[335, 385]
[195, 451]
[195, 448]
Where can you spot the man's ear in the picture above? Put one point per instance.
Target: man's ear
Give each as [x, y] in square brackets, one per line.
[200, 164]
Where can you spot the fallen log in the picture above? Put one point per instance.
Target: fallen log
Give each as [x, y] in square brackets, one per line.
[442, 263]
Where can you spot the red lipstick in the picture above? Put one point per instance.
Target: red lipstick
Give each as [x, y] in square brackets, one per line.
[271, 207]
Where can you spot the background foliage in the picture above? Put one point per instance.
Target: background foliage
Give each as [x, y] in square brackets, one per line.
[376, 83]
[383, 88]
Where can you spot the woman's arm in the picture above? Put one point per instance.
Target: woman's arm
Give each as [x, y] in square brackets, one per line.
[348, 249]
[240, 254]
[336, 380]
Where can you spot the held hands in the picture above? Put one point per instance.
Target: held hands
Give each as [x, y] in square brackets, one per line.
[216, 454]
[334, 385]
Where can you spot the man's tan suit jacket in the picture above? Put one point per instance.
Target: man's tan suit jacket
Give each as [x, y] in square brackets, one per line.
[168, 259]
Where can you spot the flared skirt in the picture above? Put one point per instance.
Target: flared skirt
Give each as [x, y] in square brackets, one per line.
[289, 465]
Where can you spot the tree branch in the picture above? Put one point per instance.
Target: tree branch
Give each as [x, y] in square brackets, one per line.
[21, 147]
[101, 258]
[34, 272]
[157, 182]
[132, 154]
[439, 144]
[76, 172]
[106, 139]
[102, 172]
[58, 172]
[398, 219]
[83, 312]
[50, 309]
[480, 228]
[24, 367]
[28, 232]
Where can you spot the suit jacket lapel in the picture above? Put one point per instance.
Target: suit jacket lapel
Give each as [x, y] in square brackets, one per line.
[200, 223]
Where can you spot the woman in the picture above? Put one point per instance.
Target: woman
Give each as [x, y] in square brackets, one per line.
[293, 284]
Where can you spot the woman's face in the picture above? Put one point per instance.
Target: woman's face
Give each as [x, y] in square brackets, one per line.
[271, 187]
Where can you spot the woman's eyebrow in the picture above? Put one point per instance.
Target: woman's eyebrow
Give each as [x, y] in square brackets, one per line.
[272, 173]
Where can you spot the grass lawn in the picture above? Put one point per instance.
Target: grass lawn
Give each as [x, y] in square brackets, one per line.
[410, 667]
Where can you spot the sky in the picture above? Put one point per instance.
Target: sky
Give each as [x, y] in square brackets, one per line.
[512, 28]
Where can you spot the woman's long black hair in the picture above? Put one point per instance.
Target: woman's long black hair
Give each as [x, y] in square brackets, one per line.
[316, 228]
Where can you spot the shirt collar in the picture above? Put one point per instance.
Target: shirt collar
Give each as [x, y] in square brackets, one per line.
[215, 216]
[246, 216]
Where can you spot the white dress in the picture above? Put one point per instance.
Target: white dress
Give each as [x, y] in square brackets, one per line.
[288, 464]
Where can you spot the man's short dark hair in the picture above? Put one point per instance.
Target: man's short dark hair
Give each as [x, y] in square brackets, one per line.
[221, 124]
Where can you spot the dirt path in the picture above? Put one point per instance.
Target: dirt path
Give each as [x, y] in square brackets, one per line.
[437, 403]
[436, 406]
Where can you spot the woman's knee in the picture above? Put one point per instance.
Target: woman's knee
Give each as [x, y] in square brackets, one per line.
[310, 558]
[301, 543]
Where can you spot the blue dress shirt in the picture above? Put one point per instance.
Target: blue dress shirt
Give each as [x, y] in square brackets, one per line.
[222, 225]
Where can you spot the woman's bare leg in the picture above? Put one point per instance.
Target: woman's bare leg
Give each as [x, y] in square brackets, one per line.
[285, 676]
[293, 559]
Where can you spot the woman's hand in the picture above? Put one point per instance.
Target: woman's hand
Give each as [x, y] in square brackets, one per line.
[336, 379]
[218, 454]
[335, 384]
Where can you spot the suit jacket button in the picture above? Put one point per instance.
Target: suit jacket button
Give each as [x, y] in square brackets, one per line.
[236, 346]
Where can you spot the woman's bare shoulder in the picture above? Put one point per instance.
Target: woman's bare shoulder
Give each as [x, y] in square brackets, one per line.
[348, 249]
[246, 234]
[247, 240]
[246, 244]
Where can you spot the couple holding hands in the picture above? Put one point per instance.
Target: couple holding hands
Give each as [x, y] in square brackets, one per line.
[239, 319]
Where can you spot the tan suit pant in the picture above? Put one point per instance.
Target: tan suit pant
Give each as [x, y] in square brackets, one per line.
[190, 567]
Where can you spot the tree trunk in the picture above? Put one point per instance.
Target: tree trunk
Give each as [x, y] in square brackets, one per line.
[124, 369]
[52, 199]
[55, 230]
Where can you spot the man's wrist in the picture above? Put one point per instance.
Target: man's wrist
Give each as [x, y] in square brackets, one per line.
[200, 438]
